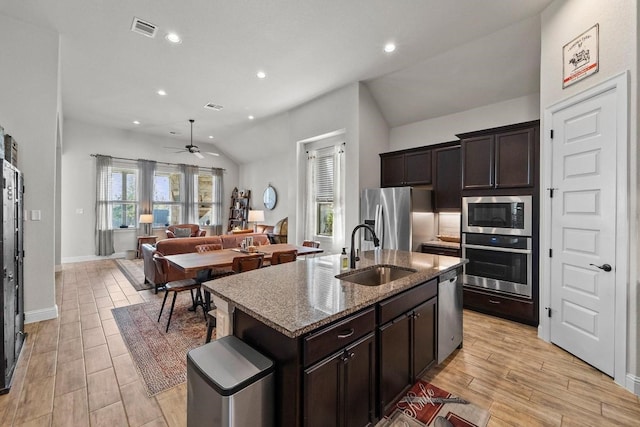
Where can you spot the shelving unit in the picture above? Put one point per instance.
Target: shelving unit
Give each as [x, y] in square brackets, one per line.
[239, 210]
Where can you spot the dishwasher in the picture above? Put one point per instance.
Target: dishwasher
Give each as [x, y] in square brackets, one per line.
[449, 313]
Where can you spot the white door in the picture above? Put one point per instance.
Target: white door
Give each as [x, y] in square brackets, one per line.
[583, 230]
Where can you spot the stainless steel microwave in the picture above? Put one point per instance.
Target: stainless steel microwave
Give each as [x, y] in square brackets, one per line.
[510, 215]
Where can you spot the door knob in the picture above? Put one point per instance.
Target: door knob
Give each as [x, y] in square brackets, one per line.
[605, 267]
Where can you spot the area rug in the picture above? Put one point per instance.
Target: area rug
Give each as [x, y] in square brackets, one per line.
[133, 270]
[161, 358]
[419, 407]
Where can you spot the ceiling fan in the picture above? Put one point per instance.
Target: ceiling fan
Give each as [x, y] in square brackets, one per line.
[193, 149]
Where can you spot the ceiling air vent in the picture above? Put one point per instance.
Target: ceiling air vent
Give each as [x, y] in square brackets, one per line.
[212, 106]
[142, 27]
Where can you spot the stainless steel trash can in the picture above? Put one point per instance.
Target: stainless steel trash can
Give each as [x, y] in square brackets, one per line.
[229, 384]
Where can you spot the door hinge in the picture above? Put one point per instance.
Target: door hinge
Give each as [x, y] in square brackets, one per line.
[550, 253]
[551, 133]
[548, 311]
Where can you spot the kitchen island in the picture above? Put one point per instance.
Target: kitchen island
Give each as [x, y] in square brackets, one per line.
[343, 351]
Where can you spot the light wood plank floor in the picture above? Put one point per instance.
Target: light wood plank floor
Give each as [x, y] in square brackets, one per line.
[76, 370]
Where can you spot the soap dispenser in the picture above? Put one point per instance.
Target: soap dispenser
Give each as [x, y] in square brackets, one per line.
[344, 259]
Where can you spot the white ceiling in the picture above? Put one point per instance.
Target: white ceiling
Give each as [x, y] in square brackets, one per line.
[452, 55]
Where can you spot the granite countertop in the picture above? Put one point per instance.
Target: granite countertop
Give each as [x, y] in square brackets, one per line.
[297, 297]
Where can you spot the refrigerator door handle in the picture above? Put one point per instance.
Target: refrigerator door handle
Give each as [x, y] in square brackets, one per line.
[379, 226]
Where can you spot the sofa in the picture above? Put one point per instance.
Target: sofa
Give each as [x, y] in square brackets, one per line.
[185, 245]
[195, 230]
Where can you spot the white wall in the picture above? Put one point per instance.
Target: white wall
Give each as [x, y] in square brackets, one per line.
[351, 110]
[562, 21]
[374, 139]
[272, 169]
[445, 128]
[28, 111]
[78, 180]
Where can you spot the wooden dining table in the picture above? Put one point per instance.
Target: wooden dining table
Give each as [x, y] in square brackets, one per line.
[193, 262]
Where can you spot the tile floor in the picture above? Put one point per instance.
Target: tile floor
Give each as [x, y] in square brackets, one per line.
[77, 371]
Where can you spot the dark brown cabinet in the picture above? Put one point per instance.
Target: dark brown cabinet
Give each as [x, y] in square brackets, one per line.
[447, 183]
[440, 250]
[340, 390]
[502, 157]
[407, 343]
[410, 167]
[517, 309]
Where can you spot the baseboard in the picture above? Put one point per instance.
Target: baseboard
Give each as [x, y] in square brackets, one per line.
[40, 315]
[84, 258]
[633, 384]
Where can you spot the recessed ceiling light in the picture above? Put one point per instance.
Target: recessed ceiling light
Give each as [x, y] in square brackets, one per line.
[210, 136]
[389, 47]
[135, 122]
[173, 38]
[261, 74]
[161, 92]
[251, 117]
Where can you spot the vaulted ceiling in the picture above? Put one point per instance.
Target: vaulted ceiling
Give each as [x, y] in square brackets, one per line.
[450, 56]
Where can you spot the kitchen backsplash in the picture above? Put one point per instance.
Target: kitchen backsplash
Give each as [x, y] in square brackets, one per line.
[449, 224]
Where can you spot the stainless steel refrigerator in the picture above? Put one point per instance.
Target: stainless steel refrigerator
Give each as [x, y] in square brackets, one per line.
[402, 217]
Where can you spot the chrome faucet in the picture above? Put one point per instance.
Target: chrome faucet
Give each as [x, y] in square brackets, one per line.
[352, 256]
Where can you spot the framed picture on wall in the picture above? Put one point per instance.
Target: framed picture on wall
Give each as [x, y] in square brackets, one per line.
[580, 57]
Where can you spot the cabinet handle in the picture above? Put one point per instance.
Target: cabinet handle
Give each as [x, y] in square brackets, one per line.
[346, 334]
[492, 301]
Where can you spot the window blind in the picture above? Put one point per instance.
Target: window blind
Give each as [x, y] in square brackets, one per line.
[324, 167]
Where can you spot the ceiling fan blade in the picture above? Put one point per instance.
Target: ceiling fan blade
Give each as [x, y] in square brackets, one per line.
[212, 154]
[198, 155]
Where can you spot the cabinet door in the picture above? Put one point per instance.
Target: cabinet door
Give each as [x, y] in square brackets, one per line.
[395, 361]
[322, 392]
[417, 168]
[424, 337]
[477, 162]
[448, 180]
[515, 158]
[360, 383]
[392, 170]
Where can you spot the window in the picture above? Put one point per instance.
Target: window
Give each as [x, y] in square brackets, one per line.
[126, 188]
[324, 216]
[167, 197]
[124, 202]
[209, 206]
[324, 192]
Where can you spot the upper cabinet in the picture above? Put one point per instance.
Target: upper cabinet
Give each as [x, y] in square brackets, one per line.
[409, 167]
[447, 178]
[502, 157]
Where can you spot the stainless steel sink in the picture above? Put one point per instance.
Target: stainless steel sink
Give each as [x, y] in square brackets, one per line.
[376, 275]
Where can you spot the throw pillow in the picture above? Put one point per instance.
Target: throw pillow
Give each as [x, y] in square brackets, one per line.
[182, 232]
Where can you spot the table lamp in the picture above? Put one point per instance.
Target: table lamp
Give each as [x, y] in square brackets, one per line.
[255, 217]
[146, 219]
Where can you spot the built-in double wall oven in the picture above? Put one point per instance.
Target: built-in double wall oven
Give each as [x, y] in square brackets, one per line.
[497, 241]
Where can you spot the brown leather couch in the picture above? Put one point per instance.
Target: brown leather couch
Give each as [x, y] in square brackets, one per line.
[185, 245]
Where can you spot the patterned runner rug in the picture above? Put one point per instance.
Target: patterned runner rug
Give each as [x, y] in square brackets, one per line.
[161, 358]
[418, 409]
[133, 270]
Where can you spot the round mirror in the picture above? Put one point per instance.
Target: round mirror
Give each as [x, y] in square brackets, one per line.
[269, 197]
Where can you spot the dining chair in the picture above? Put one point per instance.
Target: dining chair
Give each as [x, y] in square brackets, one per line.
[283, 256]
[240, 264]
[310, 244]
[162, 266]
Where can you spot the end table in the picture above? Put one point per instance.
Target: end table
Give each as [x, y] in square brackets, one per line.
[145, 239]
